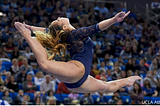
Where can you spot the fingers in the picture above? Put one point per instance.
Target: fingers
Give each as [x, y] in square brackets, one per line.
[121, 14]
[127, 13]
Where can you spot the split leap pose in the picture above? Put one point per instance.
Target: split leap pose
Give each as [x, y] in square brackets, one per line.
[74, 73]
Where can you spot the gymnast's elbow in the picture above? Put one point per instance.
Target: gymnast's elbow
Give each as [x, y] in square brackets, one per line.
[43, 65]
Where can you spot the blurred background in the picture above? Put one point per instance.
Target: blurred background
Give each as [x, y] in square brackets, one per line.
[131, 47]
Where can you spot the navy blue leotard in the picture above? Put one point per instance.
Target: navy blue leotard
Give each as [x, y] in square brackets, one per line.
[80, 48]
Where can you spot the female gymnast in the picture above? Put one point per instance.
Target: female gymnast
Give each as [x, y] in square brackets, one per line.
[74, 73]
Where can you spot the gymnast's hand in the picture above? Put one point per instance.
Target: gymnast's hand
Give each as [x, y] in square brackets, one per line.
[120, 16]
[132, 79]
[22, 29]
[27, 26]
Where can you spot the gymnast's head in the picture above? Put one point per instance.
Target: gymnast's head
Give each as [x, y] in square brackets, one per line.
[62, 23]
[56, 41]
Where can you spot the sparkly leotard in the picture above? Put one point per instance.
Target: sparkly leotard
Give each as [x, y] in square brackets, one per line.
[80, 48]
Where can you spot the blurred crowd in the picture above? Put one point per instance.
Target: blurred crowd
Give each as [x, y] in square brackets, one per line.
[131, 47]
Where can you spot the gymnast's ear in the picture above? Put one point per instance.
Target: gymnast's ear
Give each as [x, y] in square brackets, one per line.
[65, 27]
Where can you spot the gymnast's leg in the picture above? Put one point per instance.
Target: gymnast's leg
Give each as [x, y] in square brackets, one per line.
[61, 70]
[94, 85]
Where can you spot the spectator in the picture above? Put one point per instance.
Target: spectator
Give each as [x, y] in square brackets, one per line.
[12, 85]
[19, 97]
[110, 35]
[123, 74]
[4, 102]
[27, 53]
[150, 54]
[62, 88]
[5, 6]
[2, 87]
[98, 51]
[120, 61]
[37, 100]
[55, 81]
[95, 71]
[73, 96]
[95, 59]
[51, 95]
[106, 43]
[107, 61]
[2, 68]
[119, 102]
[26, 100]
[154, 65]
[3, 52]
[40, 95]
[135, 52]
[20, 59]
[6, 97]
[138, 30]
[136, 73]
[109, 75]
[33, 62]
[14, 68]
[141, 67]
[21, 77]
[39, 78]
[47, 85]
[86, 99]
[116, 64]
[101, 75]
[51, 101]
[120, 34]
[9, 45]
[148, 90]
[116, 73]
[8, 75]
[29, 86]
[115, 98]
[103, 66]
[100, 99]
[158, 87]
[15, 53]
[27, 66]
[109, 50]
[125, 54]
[129, 73]
[136, 94]
[155, 6]
[152, 79]
[92, 73]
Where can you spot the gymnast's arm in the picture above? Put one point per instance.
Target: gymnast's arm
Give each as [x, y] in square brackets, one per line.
[103, 25]
[34, 28]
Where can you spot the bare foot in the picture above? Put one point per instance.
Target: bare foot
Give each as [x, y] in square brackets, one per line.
[22, 29]
[132, 79]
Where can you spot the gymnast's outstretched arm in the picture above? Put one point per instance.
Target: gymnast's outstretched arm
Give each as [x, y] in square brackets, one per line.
[84, 32]
[103, 25]
[34, 28]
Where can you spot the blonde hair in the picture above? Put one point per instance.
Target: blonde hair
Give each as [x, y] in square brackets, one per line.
[1, 81]
[38, 74]
[13, 60]
[51, 42]
[48, 103]
[20, 58]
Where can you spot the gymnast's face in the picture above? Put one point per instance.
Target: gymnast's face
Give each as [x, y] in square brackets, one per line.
[63, 22]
